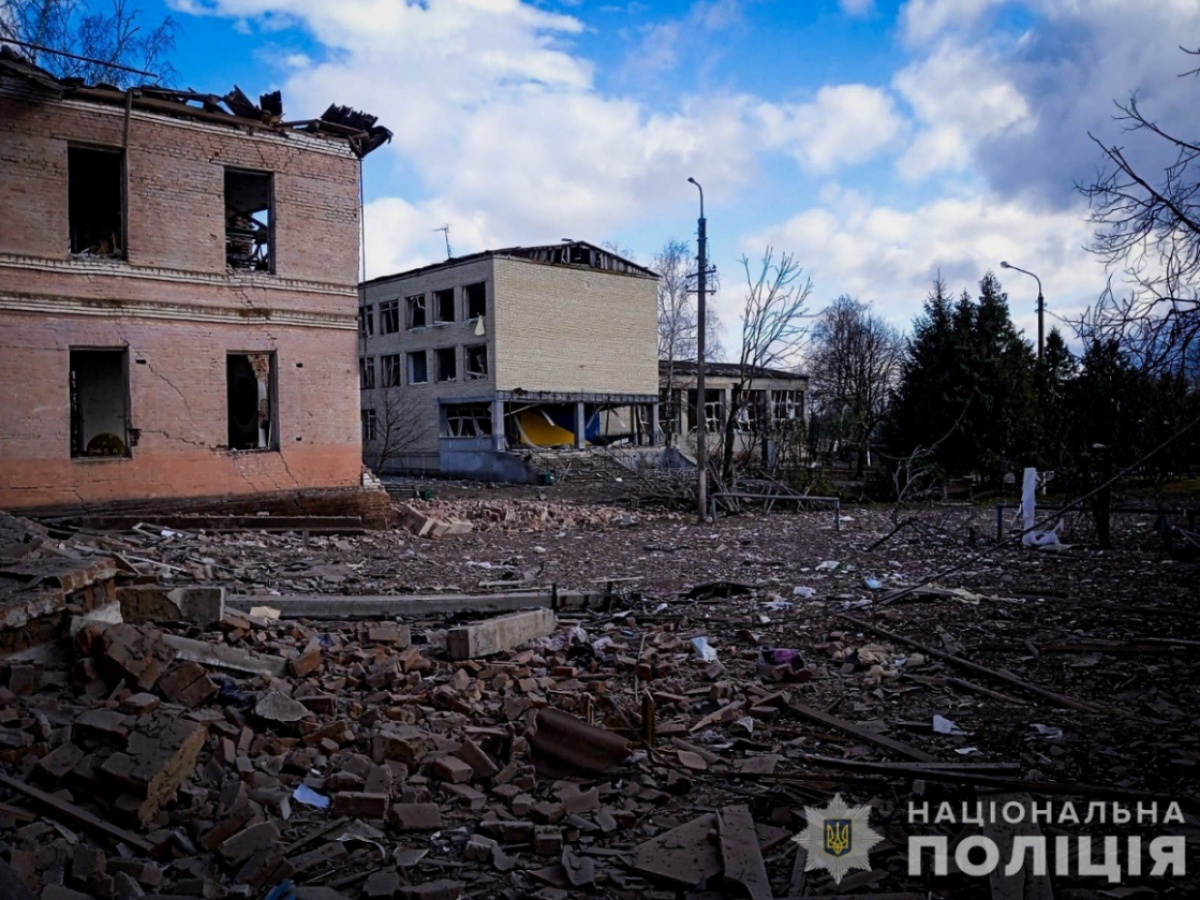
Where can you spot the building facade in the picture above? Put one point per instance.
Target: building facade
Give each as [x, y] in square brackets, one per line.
[177, 294]
[771, 412]
[464, 361]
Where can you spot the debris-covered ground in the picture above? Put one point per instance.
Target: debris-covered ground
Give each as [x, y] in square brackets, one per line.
[369, 715]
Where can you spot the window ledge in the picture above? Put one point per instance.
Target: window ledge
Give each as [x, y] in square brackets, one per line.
[100, 459]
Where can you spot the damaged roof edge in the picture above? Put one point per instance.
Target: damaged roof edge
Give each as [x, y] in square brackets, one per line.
[358, 129]
[577, 254]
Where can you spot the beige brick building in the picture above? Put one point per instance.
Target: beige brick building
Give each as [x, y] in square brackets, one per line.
[463, 361]
[177, 295]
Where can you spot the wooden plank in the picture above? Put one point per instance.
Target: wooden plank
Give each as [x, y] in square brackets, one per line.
[375, 606]
[61, 809]
[1060, 699]
[503, 633]
[864, 734]
[740, 853]
[223, 656]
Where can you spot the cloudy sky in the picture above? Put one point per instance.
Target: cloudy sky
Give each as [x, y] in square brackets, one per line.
[881, 142]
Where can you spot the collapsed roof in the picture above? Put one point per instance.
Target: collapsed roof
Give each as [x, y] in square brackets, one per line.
[358, 129]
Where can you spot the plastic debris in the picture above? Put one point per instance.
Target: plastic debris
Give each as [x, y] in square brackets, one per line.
[1050, 732]
[704, 652]
[942, 725]
[804, 592]
[306, 795]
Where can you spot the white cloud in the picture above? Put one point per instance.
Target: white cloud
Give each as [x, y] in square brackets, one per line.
[890, 256]
[844, 125]
[858, 9]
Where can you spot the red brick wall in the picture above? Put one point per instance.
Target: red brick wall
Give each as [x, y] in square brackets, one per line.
[176, 308]
[176, 188]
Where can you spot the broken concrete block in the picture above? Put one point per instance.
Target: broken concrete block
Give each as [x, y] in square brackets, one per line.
[279, 707]
[58, 763]
[452, 769]
[360, 805]
[160, 754]
[472, 754]
[134, 654]
[416, 816]
[246, 843]
[202, 606]
[547, 841]
[104, 725]
[442, 889]
[307, 662]
[500, 633]
[187, 684]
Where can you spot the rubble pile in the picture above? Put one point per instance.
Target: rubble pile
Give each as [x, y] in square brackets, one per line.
[442, 517]
[181, 740]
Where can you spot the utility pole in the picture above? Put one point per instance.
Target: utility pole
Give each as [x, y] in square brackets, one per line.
[701, 417]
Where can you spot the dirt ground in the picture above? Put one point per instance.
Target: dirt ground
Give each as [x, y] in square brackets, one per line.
[1067, 675]
[1116, 631]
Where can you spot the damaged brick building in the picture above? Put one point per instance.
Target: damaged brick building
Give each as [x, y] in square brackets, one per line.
[177, 294]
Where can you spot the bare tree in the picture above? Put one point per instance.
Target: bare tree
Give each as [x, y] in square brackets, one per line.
[677, 332]
[773, 332]
[96, 39]
[852, 368]
[1148, 225]
[399, 427]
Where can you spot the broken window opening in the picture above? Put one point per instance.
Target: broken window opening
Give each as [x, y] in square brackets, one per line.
[475, 366]
[99, 386]
[750, 414]
[95, 201]
[447, 364]
[389, 317]
[391, 370]
[787, 405]
[366, 321]
[250, 391]
[476, 295]
[366, 372]
[370, 425]
[443, 306]
[416, 310]
[418, 368]
[468, 420]
[714, 409]
[249, 221]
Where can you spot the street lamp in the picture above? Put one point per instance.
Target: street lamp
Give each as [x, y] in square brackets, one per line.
[1041, 303]
[701, 418]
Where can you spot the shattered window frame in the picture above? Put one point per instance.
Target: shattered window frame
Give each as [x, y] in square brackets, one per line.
[370, 424]
[467, 420]
[443, 303]
[249, 242]
[389, 317]
[787, 406]
[475, 362]
[92, 231]
[366, 373]
[418, 360]
[445, 364]
[84, 402]
[252, 422]
[389, 370]
[366, 320]
[415, 312]
[475, 299]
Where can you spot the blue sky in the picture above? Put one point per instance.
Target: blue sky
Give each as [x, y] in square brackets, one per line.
[881, 142]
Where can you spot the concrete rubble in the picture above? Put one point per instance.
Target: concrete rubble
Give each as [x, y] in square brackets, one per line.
[197, 750]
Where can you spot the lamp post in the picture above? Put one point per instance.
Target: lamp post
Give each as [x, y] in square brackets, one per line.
[1041, 303]
[701, 418]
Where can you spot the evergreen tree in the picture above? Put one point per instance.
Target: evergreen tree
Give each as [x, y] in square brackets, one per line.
[967, 386]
